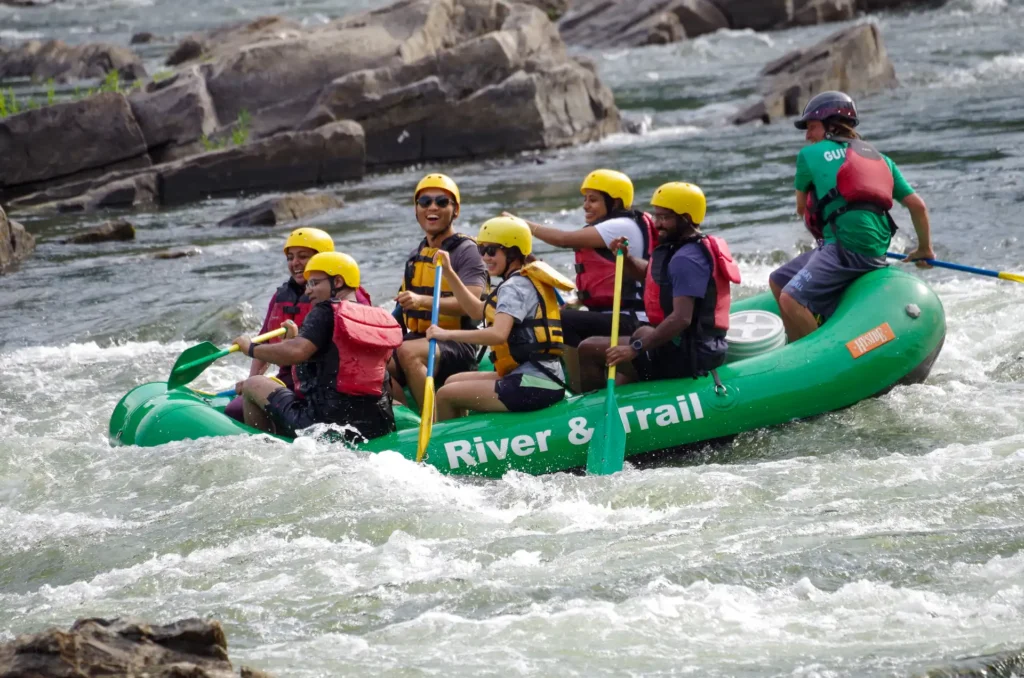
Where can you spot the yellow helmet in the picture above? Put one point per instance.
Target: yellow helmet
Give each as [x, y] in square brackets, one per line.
[334, 263]
[313, 238]
[441, 181]
[682, 198]
[615, 184]
[507, 232]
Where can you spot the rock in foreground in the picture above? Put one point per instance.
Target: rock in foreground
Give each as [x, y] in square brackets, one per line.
[101, 647]
[852, 60]
[16, 244]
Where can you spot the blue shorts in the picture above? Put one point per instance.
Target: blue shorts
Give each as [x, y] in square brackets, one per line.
[817, 279]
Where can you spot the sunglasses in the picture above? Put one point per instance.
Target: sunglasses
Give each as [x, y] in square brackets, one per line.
[426, 201]
[488, 250]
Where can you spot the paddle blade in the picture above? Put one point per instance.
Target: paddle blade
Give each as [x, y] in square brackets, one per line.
[426, 419]
[607, 449]
[1003, 275]
[186, 364]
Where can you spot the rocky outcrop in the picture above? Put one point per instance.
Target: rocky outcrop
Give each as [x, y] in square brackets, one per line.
[426, 80]
[328, 154]
[504, 91]
[97, 134]
[614, 23]
[41, 60]
[852, 60]
[116, 230]
[174, 114]
[284, 209]
[101, 647]
[16, 244]
[606, 23]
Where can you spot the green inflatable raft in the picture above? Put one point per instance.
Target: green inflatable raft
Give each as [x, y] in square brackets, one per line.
[888, 330]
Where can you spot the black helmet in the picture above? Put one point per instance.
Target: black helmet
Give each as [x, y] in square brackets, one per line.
[829, 105]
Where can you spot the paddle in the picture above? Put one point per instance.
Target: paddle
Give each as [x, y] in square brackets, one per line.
[1002, 275]
[230, 393]
[193, 361]
[608, 444]
[427, 411]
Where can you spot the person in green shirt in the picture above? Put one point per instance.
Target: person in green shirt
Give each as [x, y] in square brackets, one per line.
[852, 241]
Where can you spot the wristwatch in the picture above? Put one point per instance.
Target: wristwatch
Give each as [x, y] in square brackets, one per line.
[637, 345]
[252, 347]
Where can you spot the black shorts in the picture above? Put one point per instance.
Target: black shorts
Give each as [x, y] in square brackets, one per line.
[580, 325]
[675, 362]
[371, 417]
[452, 358]
[533, 395]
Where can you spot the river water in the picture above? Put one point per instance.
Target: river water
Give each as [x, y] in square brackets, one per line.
[877, 541]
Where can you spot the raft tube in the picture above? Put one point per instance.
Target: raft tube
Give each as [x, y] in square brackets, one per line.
[888, 330]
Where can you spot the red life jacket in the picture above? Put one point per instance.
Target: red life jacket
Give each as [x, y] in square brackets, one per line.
[595, 273]
[711, 313]
[364, 338]
[287, 305]
[864, 181]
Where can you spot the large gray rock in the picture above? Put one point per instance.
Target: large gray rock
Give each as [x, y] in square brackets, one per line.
[852, 60]
[812, 12]
[504, 91]
[283, 210]
[101, 647]
[174, 112]
[16, 244]
[270, 71]
[606, 23]
[56, 142]
[41, 60]
[332, 153]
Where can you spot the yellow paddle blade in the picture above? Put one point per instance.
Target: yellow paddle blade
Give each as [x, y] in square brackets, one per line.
[426, 419]
[1015, 277]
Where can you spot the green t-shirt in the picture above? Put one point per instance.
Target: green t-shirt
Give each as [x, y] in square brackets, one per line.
[860, 231]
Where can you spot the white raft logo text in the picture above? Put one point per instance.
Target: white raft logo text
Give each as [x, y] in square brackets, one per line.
[470, 453]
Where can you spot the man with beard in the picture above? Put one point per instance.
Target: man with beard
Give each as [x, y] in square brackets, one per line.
[686, 296]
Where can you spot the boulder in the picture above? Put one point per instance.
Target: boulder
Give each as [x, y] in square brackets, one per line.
[505, 91]
[174, 112]
[16, 244]
[41, 60]
[141, 38]
[56, 142]
[332, 153]
[853, 60]
[116, 230]
[97, 188]
[282, 210]
[605, 23]
[129, 647]
[233, 37]
[759, 15]
[266, 72]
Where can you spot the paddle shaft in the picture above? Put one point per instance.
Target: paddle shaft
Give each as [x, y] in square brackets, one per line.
[234, 347]
[1002, 275]
[427, 412]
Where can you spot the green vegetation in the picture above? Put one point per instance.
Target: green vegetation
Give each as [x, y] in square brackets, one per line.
[239, 134]
[11, 105]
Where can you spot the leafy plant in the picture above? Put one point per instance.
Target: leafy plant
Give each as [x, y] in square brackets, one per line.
[111, 83]
[51, 92]
[240, 134]
[12, 102]
[160, 76]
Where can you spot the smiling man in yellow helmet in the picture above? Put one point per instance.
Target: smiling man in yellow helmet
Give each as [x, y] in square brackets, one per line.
[339, 358]
[436, 201]
[523, 328]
